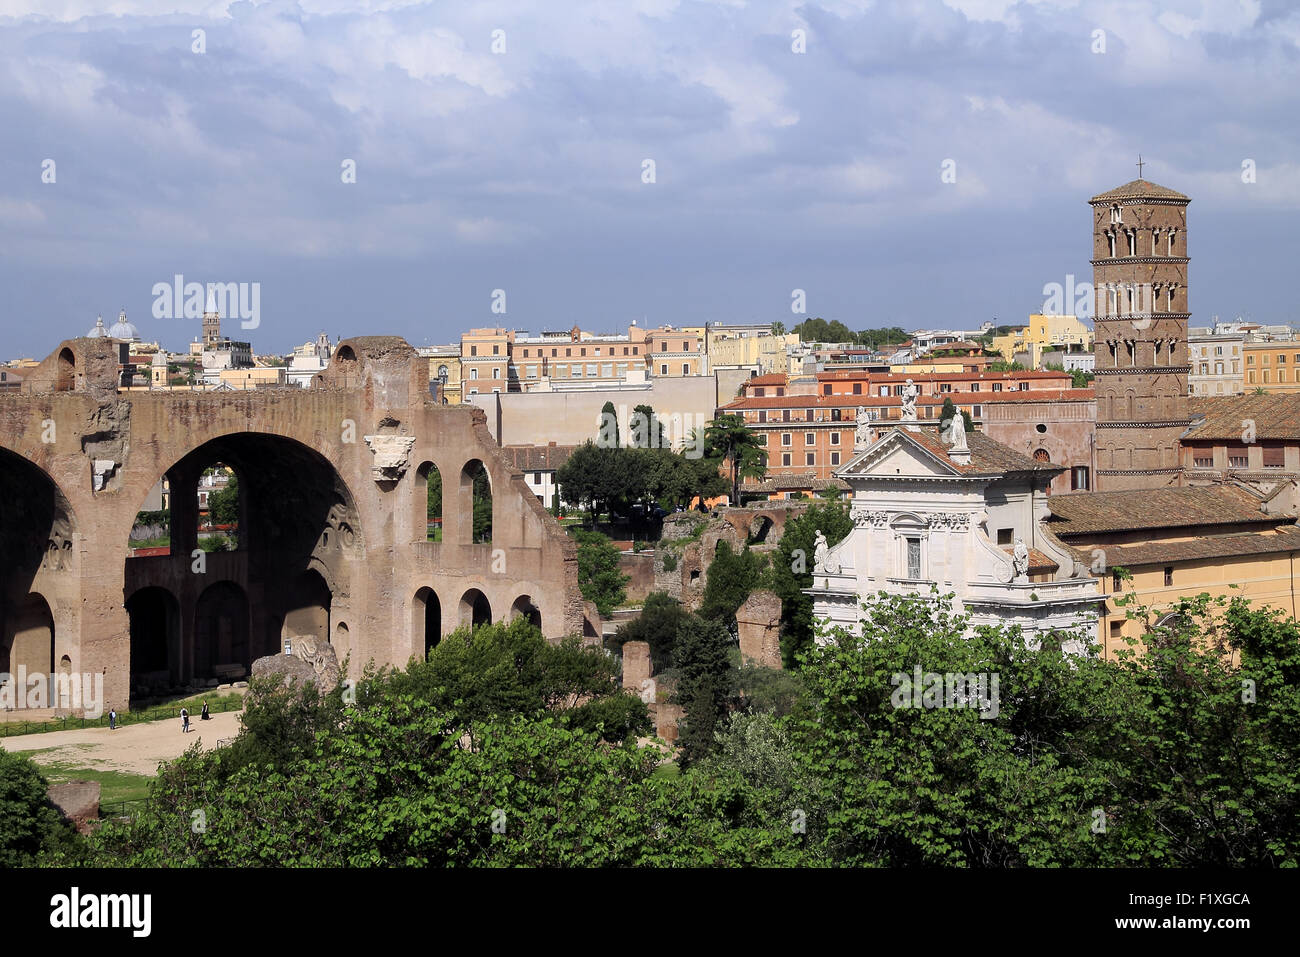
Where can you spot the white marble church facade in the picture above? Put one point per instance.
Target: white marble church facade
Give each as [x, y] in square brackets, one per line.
[956, 512]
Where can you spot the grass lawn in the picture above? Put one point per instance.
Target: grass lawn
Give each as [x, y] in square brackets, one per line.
[113, 785]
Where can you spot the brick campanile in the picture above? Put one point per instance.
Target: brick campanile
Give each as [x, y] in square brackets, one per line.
[1139, 278]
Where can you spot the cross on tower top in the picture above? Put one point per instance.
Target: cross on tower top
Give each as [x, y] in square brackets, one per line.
[1140, 164]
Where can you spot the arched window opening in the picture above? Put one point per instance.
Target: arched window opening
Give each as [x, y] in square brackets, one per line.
[476, 498]
[428, 503]
[426, 620]
[525, 607]
[475, 609]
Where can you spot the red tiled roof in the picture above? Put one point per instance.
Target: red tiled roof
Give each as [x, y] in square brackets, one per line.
[537, 458]
[770, 378]
[797, 481]
[1228, 417]
[816, 401]
[843, 401]
[988, 456]
[1033, 395]
[1079, 513]
[888, 377]
[1286, 539]
[1138, 189]
[1038, 562]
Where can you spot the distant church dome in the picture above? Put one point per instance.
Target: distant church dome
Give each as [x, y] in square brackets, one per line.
[123, 329]
[99, 332]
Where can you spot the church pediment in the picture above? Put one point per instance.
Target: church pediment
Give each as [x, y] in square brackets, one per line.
[897, 454]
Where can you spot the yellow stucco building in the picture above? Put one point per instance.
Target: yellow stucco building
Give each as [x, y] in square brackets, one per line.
[445, 360]
[1177, 543]
[1045, 334]
[1272, 366]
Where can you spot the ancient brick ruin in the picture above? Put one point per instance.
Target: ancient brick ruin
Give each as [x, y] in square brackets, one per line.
[332, 528]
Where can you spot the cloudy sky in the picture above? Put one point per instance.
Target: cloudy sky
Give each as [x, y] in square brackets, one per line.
[516, 160]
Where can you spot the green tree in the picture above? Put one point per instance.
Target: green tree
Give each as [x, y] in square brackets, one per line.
[30, 825]
[948, 411]
[608, 426]
[409, 774]
[644, 428]
[732, 576]
[707, 480]
[599, 577]
[581, 477]
[223, 504]
[434, 509]
[819, 330]
[778, 328]
[876, 338]
[1079, 378]
[730, 438]
[482, 506]
[703, 668]
[792, 568]
[1002, 778]
[504, 669]
[602, 478]
[658, 625]
[946, 414]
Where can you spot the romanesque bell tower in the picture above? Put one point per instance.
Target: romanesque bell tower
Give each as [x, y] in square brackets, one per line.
[1139, 278]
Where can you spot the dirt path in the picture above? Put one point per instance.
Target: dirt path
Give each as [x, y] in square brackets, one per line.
[135, 748]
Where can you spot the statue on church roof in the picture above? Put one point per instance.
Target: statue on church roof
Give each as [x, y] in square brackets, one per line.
[909, 393]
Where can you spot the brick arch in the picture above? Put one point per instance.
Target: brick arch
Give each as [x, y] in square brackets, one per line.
[525, 607]
[354, 438]
[427, 621]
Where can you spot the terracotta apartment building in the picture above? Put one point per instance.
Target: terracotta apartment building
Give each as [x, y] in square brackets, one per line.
[808, 423]
[505, 360]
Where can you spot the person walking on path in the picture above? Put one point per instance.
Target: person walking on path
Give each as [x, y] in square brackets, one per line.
[205, 716]
[112, 719]
[185, 721]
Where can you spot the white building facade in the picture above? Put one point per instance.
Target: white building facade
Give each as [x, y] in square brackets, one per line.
[961, 517]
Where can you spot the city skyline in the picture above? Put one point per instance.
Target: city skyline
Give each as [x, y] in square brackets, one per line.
[522, 169]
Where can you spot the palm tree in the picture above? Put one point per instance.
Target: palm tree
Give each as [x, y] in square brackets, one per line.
[730, 438]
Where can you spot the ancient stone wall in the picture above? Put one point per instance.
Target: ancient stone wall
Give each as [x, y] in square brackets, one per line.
[78, 800]
[640, 569]
[333, 486]
[759, 622]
